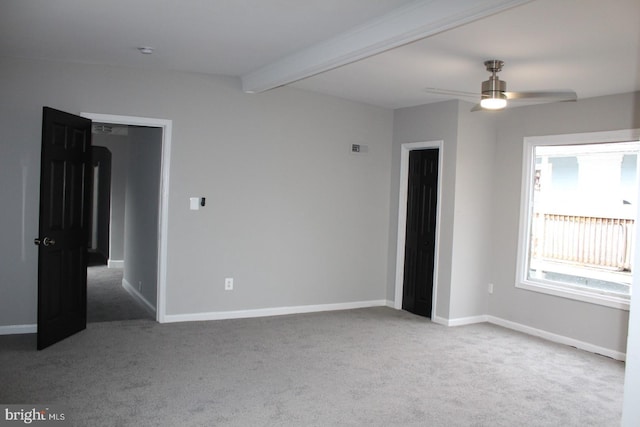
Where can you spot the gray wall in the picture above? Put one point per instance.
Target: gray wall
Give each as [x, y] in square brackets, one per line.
[471, 255]
[292, 215]
[432, 122]
[118, 145]
[599, 325]
[142, 211]
[468, 141]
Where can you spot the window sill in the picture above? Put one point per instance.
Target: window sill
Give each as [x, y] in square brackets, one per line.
[578, 294]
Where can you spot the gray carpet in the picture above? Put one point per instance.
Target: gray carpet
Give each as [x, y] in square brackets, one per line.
[107, 300]
[367, 367]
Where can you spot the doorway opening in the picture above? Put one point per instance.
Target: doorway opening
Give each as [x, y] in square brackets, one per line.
[122, 272]
[403, 213]
[151, 254]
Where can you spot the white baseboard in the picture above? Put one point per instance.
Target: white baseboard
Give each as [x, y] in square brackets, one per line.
[138, 296]
[276, 311]
[461, 321]
[440, 320]
[115, 263]
[18, 329]
[561, 339]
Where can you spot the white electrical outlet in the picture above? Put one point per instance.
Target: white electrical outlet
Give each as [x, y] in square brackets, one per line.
[228, 284]
[490, 288]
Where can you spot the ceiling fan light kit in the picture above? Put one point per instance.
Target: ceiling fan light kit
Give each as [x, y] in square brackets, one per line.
[493, 103]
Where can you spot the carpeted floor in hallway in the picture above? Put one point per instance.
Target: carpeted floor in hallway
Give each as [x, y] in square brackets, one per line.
[107, 300]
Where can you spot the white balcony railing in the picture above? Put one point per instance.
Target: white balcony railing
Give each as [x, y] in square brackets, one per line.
[583, 240]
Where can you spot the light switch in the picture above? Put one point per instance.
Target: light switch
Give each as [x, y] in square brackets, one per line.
[194, 203]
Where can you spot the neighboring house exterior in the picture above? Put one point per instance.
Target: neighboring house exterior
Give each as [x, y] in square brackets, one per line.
[584, 210]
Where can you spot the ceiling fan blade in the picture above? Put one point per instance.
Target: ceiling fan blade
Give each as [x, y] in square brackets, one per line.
[455, 93]
[477, 107]
[558, 96]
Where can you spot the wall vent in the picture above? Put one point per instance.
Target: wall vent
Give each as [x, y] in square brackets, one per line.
[359, 148]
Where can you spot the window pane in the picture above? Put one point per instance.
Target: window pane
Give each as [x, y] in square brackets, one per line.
[582, 214]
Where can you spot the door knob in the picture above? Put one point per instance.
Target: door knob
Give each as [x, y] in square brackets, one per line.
[47, 241]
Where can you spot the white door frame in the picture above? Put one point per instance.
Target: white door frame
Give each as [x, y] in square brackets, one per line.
[405, 150]
[163, 207]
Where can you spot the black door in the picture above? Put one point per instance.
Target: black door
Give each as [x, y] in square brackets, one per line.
[421, 232]
[65, 188]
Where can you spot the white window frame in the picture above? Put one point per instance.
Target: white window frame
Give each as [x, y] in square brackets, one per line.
[547, 287]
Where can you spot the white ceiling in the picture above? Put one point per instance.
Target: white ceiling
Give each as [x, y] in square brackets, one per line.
[590, 46]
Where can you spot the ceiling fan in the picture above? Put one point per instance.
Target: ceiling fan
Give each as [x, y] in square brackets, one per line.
[494, 95]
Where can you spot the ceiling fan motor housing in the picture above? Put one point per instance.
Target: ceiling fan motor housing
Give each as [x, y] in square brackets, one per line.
[494, 88]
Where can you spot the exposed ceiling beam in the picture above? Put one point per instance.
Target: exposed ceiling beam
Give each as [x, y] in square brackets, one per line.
[412, 22]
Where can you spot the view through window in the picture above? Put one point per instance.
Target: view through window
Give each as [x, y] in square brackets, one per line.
[580, 217]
